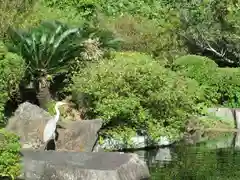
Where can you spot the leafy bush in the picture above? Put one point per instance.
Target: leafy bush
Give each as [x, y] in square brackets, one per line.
[221, 85]
[197, 67]
[148, 9]
[41, 12]
[11, 12]
[86, 8]
[9, 154]
[144, 35]
[70, 3]
[133, 91]
[229, 86]
[149, 27]
[12, 70]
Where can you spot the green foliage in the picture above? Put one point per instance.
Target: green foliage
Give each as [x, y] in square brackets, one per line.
[144, 35]
[12, 70]
[148, 9]
[146, 26]
[149, 27]
[50, 107]
[11, 12]
[197, 67]
[86, 8]
[48, 50]
[230, 86]
[211, 28]
[121, 134]
[41, 12]
[133, 90]
[221, 86]
[52, 47]
[80, 4]
[9, 154]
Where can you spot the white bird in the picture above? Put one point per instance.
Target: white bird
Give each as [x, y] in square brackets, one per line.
[49, 131]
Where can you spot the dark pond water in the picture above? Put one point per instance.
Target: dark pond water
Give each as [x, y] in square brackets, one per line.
[217, 159]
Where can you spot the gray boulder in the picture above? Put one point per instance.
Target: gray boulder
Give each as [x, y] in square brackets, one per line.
[29, 122]
[52, 165]
[79, 136]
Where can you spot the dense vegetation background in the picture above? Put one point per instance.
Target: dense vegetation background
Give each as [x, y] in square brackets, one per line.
[143, 66]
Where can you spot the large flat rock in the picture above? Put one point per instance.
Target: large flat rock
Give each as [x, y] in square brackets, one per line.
[52, 165]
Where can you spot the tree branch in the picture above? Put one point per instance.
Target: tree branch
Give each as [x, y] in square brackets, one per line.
[205, 45]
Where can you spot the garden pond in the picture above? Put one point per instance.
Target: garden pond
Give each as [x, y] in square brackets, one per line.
[215, 159]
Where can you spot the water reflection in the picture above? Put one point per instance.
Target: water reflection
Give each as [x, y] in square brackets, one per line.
[216, 159]
[159, 156]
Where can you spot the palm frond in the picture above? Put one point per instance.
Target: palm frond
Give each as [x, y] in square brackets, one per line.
[61, 42]
[50, 47]
[47, 46]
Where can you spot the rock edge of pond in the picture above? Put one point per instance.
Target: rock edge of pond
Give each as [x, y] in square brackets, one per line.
[45, 165]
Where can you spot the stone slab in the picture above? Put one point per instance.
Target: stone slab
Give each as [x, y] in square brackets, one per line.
[222, 113]
[52, 165]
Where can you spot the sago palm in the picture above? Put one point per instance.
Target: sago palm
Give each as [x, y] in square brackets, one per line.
[48, 50]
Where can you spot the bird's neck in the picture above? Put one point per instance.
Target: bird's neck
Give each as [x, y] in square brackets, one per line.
[57, 113]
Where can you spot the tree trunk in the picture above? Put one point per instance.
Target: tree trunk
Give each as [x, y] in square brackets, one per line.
[236, 140]
[43, 93]
[236, 115]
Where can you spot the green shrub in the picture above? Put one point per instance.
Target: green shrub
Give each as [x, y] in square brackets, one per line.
[41, 13]
[70, 3]
[149, 27]
[9, 154]
[86, 8]
[133, 91]
[199, 68]
[229, 86]
[144, 35]
[11, 12]
[221, 86]
[148, 9]
[12, 70]
[151, 9]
